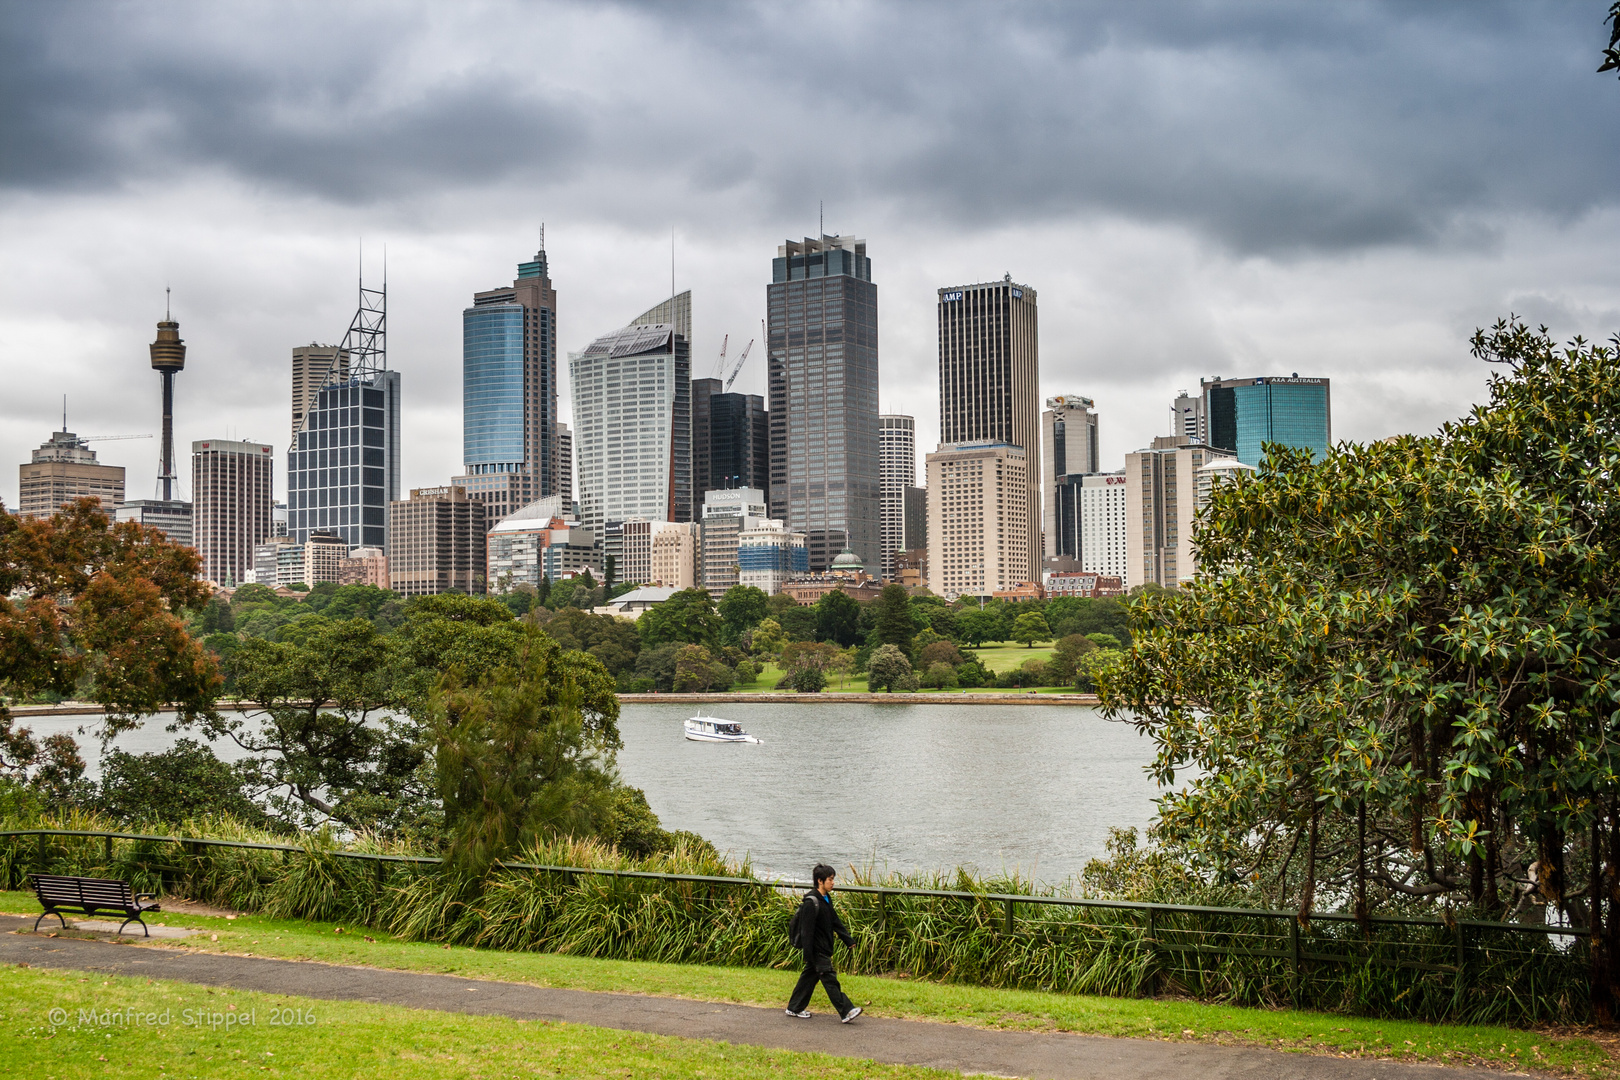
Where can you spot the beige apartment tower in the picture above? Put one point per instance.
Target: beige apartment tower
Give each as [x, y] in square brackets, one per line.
[232, 495]
[990, 388]
[437, 542]
[64, 469]
[312, 364]
[978, 518]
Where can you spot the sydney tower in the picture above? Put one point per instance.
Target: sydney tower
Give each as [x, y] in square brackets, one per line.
[168, 357]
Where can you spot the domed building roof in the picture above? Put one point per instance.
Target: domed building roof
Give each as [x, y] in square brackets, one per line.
[847, 562]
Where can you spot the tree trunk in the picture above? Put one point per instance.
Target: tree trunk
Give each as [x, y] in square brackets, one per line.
[1307, 893]
[1597, 942]
[1362, 914]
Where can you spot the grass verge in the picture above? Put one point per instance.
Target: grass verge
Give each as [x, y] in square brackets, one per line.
[1282, 1029]
[303, 1037]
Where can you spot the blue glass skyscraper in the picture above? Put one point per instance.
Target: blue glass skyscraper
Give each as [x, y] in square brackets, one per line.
[1242, 415]
[509, 433]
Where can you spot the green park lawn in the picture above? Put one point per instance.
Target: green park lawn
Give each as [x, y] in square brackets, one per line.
[423, 1039]
[1001, 656]
[344, 1039]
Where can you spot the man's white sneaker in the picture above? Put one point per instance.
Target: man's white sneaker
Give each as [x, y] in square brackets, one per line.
[802, 1015]
[852, 1014]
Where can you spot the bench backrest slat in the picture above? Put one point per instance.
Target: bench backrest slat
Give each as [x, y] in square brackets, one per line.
[83, 892]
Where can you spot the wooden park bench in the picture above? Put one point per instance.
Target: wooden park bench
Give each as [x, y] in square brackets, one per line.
[90, 896]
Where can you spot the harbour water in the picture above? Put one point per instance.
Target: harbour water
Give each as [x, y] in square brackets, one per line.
[907, 787]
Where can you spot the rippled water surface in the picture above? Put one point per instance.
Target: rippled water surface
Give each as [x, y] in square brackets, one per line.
[913, 787]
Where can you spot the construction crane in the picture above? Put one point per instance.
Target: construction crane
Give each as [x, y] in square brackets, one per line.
[720, 364]
[733, 377]
[110, 438]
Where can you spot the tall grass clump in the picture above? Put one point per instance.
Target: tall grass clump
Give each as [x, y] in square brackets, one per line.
[1384, 969]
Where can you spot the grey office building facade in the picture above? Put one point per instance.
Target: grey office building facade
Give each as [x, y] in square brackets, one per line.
[823, 397]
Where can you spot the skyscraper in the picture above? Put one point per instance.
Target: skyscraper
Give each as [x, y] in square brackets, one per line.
[989, 385]
[232, 492]
[509, 426]
[703, 391]
[64, 469]
[343, 468]
[1161, 507]
[633, 427]
[565, 464]
[1069, 448]
[1242, 415]
[312, 365]
[823, 388]
[897, 470]
[739, 450]
[1187, 417]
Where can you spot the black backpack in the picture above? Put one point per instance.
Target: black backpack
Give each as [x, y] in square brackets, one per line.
[802, 926]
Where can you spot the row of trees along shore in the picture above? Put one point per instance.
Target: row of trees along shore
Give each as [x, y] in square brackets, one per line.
[1390, 690]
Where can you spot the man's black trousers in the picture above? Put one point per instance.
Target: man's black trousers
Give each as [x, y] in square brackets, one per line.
[821, 968]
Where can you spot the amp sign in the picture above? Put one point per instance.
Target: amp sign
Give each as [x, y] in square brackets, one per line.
[946, 298]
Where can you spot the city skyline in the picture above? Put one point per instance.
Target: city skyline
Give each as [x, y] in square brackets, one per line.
[1309, 223]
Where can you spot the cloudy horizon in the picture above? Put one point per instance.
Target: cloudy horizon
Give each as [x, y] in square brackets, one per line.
[1195, 189]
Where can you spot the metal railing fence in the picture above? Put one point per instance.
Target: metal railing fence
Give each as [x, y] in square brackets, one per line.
[1239, 954]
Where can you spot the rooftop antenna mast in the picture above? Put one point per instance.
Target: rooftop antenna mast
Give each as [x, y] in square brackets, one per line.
[821, 217]
[366, 341]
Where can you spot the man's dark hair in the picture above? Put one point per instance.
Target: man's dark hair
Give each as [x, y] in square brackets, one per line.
[822, 872]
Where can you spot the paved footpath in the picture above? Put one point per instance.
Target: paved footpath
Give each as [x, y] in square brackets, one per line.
[1045, 1055]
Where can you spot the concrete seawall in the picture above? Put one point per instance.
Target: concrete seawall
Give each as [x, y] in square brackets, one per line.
[770, 698]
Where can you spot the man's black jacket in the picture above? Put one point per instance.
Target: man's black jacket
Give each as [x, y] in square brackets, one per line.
[827, 923]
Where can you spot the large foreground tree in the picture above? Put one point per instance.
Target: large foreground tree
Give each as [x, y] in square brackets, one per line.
[1394, 683]
[95, 609]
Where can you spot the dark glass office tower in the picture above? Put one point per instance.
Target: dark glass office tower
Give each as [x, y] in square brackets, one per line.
[739, 450]
[823, 388]
[1245, 414]
[343, 467]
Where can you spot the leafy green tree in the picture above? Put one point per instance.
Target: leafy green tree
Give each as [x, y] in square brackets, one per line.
[1411, 643]
[1105, 641]
[692, 669]
[939, 677]
[938, 652]
[253, 593]
[742, 608]
[893, 623]
[767, 637]
[837, 618]
[798, 623]
[542, 592]
[975, 627]
[970, 673]
[887, 666]
[610, 639]
[808, 680]
[1092, 667]
[657, 665]
[1066, 656]
[687, 617]
[747, 672]
[167, 788]
[517, 759]
[1029, 628]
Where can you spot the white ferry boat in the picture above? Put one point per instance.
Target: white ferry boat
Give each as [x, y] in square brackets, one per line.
[712, 729]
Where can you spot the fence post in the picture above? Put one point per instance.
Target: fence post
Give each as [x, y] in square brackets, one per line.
[1007, 926]
[1296, 980]
[39, 854]
[883, 912]
[1150, 974]
[108, 840]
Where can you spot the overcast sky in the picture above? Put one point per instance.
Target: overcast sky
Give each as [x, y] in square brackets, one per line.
[1341, 190]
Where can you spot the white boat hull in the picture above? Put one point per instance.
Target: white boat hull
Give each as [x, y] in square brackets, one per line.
[707, 729]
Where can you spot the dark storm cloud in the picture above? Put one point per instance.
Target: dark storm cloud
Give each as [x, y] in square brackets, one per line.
[1274, 130]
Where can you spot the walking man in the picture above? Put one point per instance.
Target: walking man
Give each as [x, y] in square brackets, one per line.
[816, 922]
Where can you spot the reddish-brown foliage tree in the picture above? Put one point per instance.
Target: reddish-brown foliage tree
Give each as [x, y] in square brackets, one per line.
[88, 605]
